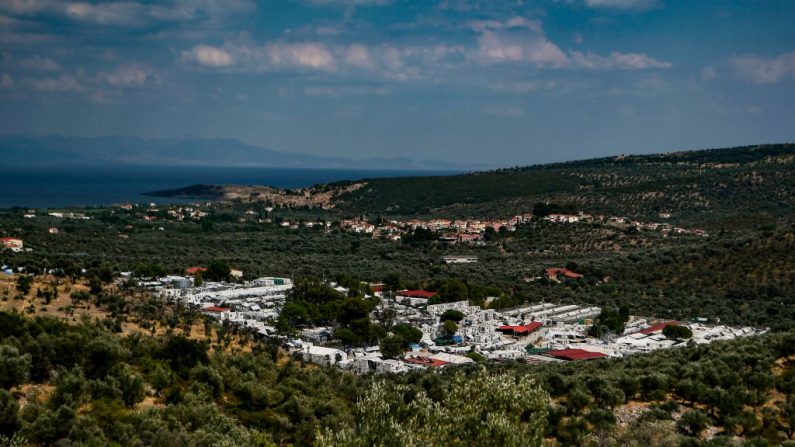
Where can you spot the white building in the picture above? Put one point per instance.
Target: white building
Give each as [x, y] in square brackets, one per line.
[321, 355]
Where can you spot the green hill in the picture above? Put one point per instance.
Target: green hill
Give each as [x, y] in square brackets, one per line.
[715, 188]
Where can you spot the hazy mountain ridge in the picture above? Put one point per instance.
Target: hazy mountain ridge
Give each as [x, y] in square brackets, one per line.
[183, 151]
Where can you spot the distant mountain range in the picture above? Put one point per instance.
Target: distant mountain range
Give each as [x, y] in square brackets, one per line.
[184, 151]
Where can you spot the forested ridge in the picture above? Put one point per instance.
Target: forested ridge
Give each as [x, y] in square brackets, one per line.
[717, 188]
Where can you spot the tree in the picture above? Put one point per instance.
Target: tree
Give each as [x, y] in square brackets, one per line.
[392, 347]
[149, 271]
[392, 281]
[14, 367]
[449, 328]
[676, 332]
[693, 422]
[217, 271]
[481, 409]
[408, 333]
[347, 337]
[95, 285]
[454, 290]
[452, 315]
[24, 284]
[9, 408]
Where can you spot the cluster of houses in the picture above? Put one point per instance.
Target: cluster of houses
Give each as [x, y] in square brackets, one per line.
[452, 231]
[542, 332]
[11, 243]
[253, 304]
[665, 228]
[151, 212]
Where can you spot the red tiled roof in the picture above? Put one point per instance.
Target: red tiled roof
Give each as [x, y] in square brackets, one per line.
[553, 273]
[574, 354]
[416, 293]
[425, 361]
[195, 270]
[525, 329]
[658, 327]
[216, 309]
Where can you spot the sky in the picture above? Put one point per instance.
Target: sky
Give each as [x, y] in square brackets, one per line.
[487, 82]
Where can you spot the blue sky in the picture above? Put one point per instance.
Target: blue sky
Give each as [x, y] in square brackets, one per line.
[478, 82]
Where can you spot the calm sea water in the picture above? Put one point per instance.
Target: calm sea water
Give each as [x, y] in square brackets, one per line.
[91, 186]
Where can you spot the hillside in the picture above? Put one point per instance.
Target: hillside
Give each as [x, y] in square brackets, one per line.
[83, 384]
[715, 188]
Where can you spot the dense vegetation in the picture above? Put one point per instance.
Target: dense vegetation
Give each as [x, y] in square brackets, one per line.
[87, 385]
[679, 276]
[719, 188]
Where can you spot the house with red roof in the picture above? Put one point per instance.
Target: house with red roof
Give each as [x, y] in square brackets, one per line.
[523, 333]
[425, 361]
[216, 311]
[559, 274]
[657, 328]
[574, 354]
[12, 243]
[193, 271]
[414, 297]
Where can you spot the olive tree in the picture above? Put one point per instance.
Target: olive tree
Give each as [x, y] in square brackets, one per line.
[479, 409]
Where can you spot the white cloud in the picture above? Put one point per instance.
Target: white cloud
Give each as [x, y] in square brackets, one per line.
[520, 40]
[64, 83]
[400, 63]
[516, 22]
[359, 56]
[616, 61]
[39, 63]
[208, 56]
[300, 55]
[127, 13]
[128, 75]
[761, 70]
[516, 40]
[121, 13]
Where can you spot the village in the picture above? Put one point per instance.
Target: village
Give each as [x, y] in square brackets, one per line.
[447, 231]
[445, 333]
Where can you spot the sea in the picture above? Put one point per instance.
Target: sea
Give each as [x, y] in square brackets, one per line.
[61, 187]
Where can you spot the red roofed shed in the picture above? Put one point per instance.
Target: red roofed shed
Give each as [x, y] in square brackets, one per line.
[425, 361]
[216, 309]
[526, 329]
[574, 354]
[552, 273]
[658, 327]
[195, 270]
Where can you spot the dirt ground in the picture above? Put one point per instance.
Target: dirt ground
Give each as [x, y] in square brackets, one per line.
[63, 308]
